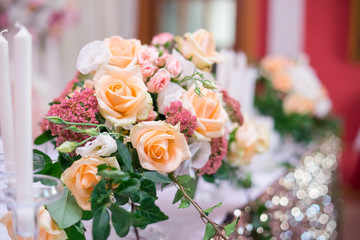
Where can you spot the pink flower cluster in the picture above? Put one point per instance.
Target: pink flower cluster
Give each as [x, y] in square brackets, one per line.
[218, 152]
[81, 108]
[150, 62]
[232, 107]
[175, 113]
[162, 38]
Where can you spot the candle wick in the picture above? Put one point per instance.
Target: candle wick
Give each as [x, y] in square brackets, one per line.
[3, 31]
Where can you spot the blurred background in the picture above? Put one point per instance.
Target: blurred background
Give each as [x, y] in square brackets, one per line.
[327, 31]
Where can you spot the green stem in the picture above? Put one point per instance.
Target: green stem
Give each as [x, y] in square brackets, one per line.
[196, 205]
[83, 142]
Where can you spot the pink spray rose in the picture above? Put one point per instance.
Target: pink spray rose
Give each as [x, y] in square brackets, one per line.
[147, 55]
[160, 61]
[159, 81]
[147, 70]
[173, 66]
[162, 38]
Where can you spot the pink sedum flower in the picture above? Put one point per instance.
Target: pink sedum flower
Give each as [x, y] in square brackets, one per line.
[175, 113]
[147, 55]
[81, 108]
[159, 81]
[232, 107]
[160, 61]
[147, 70]
[173, 66]
[162, 38]
[218, 152]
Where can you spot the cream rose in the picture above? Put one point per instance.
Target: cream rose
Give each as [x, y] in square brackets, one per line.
[295, 103]
[123, 52]
[208, 109]
[48, 229]
[160, 146]
[81, 178]
[275, 64]
[200, 47]
[122, 95]
[281, 82]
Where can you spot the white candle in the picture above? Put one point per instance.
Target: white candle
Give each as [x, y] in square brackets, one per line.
[6, 107]
[23, 126]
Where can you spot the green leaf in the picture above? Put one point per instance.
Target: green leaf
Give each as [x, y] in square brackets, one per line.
[156, 177]
[124, 155]
[50, 168]
[100, 195]
[65, 160]
[184, 179]
[230, 228]
[101, 224]
[116, 175]
[150, 211]
[121, 220]
[209, 231]
[130, 189]
[189, 184]
[65, 211]
[184, 203]
[76, 231]
[87, 215]
[44, 137]
[178, 196]
[209, 210]
[147, 189]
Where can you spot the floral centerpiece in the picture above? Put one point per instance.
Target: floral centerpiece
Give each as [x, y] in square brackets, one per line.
[134, 119]
[290, 91]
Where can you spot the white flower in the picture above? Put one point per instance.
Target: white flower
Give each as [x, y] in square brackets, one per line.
[171, 93]
[200, 154]
[91, 56]
[305, 82]
[102, 146]
[187, 67]
[322, 107]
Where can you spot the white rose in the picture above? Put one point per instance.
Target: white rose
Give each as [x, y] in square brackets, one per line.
[172, 92]
[102, 146]
[91, 56]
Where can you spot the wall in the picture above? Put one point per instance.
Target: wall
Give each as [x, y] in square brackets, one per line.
[326, 41]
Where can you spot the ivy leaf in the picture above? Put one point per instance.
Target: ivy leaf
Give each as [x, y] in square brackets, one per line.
[100, 195]
[184, 203]
[150, 211]
[178, 196]
[209, 231]
[66, 212]
[76, 231]
[44, 137]
[124, 155]
[121, 220]
[156, 177]
[50, 168]
[230, 228]
[209, 210]
[147, 189]
[130, 189]
[101, 224]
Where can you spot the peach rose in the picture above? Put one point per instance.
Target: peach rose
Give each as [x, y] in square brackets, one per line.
[123, 52]
[48, 229]
[275, 64]
[159, 81]
[122, 95]
[81, 178]
[160, 146]
[208, 109]
[295, 103]
[200, 47]
[281, 82]
[250, 138]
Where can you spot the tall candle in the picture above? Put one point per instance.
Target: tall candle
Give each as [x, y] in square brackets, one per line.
[23, 126]
[6, 107]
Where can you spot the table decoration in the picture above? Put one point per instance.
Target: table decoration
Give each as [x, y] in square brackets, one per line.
[290, 91]
[133, 119]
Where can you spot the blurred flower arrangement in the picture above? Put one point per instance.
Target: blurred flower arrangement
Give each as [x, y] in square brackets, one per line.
[43, 18]
[290, 91]
[137, 118]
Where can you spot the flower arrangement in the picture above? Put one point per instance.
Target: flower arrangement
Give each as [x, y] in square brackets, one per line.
[135, 118]
[290, 91]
